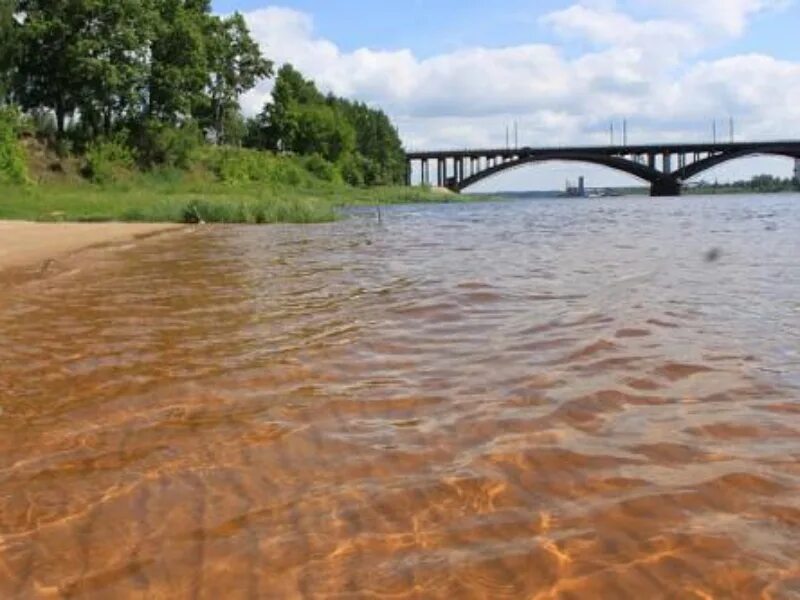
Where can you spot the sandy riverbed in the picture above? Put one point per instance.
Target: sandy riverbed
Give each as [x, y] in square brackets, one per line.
[25, 243]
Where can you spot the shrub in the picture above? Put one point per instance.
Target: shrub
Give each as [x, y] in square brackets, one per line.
[161, 144]
[352, 170]
[108, 161]
[13, 167]
[322, 169]
[241, 165]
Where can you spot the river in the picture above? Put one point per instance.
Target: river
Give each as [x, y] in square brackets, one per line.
[521, 399]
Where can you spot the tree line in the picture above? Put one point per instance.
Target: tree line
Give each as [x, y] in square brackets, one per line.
[302, 120]
[157, 72]
[760, 184]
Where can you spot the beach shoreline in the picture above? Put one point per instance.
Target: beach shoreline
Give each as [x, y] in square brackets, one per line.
[26, 244]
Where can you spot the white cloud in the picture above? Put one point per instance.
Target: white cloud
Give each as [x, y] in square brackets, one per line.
[609, 27]
[729, 16]
[644, 70]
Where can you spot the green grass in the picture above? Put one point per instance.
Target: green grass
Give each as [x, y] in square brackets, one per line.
[220, 185]
[180, 198]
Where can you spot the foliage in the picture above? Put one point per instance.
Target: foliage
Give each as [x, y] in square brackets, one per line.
[108, 161]
[322, 169]
[149, 83]
[159, 144]
[300, 119]
[48, 76]
[12, 156]
[759, 184]
[112, 60]
[233, 129]
[178, 72]
[351, 167]
[235, 66]
[113, 63]
[236, 166]
[7, 47]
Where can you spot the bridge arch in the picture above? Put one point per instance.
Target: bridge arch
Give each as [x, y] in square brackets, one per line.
[698, 167]
[652, 163]
[641, 171]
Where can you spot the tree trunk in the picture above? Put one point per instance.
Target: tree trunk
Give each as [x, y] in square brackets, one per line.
[107, 121]
[60, 118]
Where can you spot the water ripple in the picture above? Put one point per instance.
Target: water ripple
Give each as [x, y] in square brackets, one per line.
[517, 400]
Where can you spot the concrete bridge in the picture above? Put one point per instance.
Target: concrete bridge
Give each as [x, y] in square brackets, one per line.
[664, 166]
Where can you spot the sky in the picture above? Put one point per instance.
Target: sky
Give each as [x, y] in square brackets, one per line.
[457, 73]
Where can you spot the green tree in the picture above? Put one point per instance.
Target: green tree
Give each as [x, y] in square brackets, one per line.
[322, 130]
[112, 60]
[360, 139]
[279, 121]
[48, 73]
[235, 67]
[178, 74]
[7, 47]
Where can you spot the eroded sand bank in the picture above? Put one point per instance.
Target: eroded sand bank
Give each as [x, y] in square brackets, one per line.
[25, 243]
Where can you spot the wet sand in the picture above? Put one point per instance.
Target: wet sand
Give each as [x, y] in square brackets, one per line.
[24, 243]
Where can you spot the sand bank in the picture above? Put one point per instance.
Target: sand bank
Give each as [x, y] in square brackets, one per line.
[24, 243]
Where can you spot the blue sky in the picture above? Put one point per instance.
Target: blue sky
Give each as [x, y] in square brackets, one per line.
[457, 72]
[430, 27]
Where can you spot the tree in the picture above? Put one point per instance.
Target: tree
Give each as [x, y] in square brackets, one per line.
[235, 67]
[178, 73]
[112, 59]
[7, 47]
[302, 120]
[279, 119]
[47, 73]
[322, 130]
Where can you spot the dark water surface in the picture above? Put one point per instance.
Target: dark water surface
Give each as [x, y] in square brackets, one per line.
[548, 399]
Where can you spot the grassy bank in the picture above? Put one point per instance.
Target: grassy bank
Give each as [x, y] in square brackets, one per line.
[217, 185]
[148, 200]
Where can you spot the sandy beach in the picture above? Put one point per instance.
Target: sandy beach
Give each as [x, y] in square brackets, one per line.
[25, 243]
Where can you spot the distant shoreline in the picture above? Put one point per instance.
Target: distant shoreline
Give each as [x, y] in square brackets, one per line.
[638, 192]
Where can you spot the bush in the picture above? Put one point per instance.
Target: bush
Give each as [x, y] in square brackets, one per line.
[322, 169]
[108, 161]
[160, 144]
[13, 167]
[241, 165]
[352, 170]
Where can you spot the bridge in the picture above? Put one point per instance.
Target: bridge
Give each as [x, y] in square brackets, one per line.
[665, 167]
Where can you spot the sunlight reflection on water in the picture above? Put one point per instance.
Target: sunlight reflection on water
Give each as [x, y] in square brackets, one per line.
[558, 397]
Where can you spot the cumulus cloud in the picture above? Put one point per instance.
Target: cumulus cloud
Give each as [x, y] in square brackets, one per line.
[728, 16]
[646, 70]
[607, 26]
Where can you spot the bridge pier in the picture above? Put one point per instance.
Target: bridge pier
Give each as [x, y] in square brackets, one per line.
[665, 187]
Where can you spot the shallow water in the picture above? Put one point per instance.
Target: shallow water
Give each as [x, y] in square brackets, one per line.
[543, 399]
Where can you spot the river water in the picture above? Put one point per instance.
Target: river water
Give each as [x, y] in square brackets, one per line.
[523, 399]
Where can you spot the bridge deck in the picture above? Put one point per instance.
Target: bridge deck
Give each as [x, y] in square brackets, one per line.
[666, 148]
[665, 166]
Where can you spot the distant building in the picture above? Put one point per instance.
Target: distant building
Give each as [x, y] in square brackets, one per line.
[576, 191]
